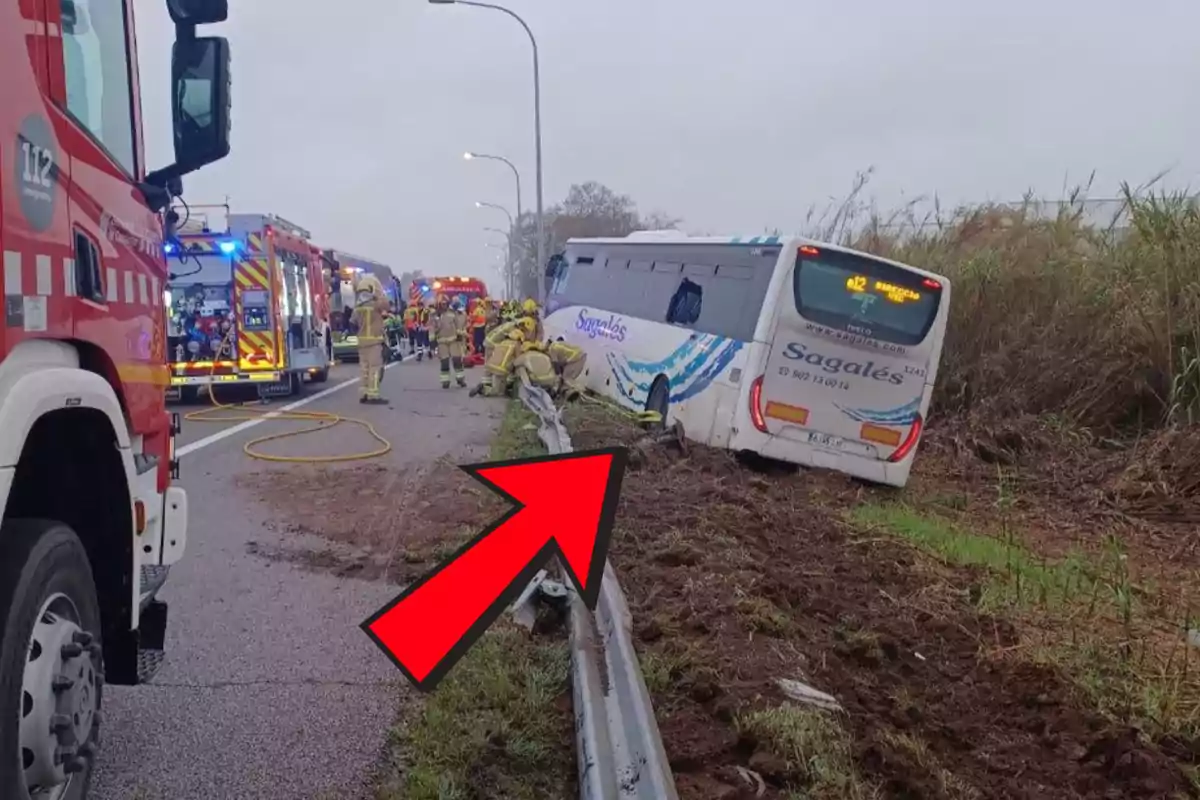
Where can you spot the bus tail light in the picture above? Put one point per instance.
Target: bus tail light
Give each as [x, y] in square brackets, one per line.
[756, 414]
[910, 441]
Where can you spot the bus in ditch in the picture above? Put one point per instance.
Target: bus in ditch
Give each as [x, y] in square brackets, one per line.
[795, 350]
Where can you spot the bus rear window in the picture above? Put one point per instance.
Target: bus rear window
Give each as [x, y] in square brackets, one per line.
[864, 296]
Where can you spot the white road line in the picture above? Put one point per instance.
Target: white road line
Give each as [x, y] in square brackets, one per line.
[200, 444]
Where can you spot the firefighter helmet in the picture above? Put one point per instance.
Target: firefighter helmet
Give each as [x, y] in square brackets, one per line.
[367, 288]
[530, 306]
[528, 324]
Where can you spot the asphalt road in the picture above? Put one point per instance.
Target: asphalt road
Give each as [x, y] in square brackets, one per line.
[270, 690]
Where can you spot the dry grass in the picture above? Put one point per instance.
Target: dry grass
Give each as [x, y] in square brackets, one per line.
[1051, 315]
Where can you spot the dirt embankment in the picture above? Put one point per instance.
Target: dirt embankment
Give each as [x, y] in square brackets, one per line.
[952, 685]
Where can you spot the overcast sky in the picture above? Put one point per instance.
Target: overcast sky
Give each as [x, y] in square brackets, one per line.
[350, 118]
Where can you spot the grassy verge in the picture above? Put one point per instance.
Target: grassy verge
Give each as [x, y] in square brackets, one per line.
[499, 726]
[1081, 613]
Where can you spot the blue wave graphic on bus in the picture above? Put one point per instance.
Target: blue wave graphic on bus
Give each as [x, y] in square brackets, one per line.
[632, 371]
[668, 363]
[900, 415]
[633, 378]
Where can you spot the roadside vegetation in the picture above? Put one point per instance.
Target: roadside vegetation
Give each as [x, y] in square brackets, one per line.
[1021, 620]
[500, 724]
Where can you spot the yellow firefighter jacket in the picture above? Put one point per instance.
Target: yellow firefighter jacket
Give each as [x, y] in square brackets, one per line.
[499, 333]
[447, 327]
[538, 367]
[368, 317]
[563, 354]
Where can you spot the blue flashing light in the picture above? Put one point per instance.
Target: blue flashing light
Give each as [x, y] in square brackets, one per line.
[227, 247]
[168, 248]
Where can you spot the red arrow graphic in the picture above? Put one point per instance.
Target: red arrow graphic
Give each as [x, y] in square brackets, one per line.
[564, 505]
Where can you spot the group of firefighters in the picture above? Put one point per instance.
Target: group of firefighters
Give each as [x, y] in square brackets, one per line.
[508, 335]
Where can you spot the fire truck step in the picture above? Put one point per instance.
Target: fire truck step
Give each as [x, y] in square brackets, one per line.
[280, 389]
[148, 663]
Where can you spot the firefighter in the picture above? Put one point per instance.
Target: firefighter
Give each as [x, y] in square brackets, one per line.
[531, 310]
[427, 331]
[497, 334]
[394, 331]
[449, 331]
[492, 309]
[367, 318]
[569, 362]
[498, 365]
[412, 319]
[535, 364]
[479, 323]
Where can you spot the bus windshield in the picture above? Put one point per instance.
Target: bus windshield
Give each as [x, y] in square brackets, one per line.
[864, 296]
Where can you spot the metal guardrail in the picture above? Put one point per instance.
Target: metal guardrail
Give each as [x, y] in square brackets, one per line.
[618, 745]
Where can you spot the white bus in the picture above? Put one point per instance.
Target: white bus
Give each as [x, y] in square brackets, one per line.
[795, 350]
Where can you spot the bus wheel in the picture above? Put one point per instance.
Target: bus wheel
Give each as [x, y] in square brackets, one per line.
[657, 402]
[51, 676]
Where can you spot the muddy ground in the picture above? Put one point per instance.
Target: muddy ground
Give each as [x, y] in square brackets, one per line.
[373, 522]
[737, 579]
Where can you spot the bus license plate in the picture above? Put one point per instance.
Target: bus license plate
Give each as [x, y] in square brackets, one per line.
[825, 440]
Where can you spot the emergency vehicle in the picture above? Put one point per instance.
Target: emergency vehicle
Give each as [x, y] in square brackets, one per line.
[90, 519]
[246, 303]
[458, 288]
[345, 269]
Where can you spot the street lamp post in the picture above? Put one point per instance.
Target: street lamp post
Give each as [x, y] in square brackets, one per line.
[513, 255]
[537, 133]
[509, 264]
[479, 204]
[469, 155]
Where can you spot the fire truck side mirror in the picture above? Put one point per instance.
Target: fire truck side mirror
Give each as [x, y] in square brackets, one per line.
[201, 81]
[198, 12]
[200, 107]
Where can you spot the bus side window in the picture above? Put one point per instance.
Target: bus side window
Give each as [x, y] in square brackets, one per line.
[684, 308]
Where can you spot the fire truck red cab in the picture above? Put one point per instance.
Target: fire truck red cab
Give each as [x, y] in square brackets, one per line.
[90, 519]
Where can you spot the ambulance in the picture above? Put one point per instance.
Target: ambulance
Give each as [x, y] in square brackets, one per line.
[345, 269]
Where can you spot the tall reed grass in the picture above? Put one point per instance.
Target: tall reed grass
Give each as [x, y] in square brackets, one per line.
[1055, 313]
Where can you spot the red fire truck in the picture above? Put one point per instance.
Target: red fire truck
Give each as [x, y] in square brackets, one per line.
[247, 304]
[90, 519]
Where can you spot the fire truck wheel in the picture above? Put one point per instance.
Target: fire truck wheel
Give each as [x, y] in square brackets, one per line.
[320, 376]
[50, 663]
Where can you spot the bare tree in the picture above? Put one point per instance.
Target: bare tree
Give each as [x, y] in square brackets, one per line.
[589, 210]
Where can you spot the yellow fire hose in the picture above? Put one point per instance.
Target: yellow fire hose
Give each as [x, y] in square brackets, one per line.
[251, 411]
[644, 417]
